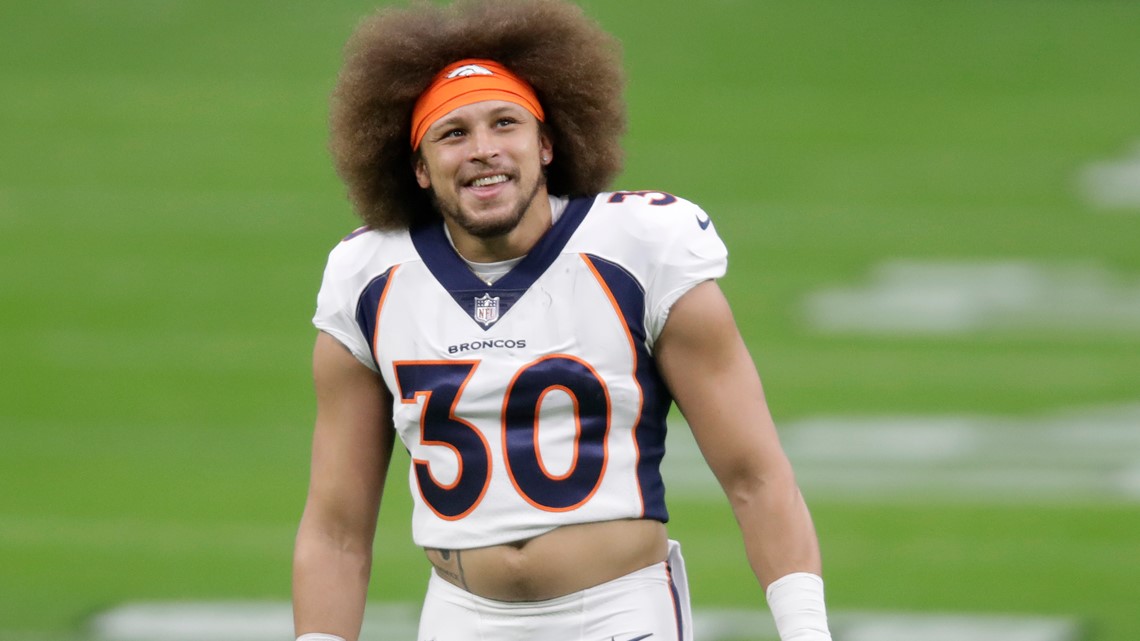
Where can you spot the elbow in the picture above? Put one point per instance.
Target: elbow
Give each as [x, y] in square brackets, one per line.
[314, 554]
[749, 487]
[332, 536]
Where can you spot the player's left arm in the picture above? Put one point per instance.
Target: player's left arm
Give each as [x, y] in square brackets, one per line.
[711, 375]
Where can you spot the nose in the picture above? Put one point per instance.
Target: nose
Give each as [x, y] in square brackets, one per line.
[484, 145]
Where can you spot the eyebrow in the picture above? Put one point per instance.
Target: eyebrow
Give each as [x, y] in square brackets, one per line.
[455, 121]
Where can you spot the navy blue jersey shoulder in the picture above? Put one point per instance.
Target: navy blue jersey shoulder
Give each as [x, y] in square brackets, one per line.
[368, 306]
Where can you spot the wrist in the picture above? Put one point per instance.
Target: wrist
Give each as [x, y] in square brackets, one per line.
[797, 605]
[317, 636]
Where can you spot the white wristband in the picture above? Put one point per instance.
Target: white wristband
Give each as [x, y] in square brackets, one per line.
[796, 601]
[316, 636]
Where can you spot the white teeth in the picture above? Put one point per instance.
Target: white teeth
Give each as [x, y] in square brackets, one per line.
[489, 180]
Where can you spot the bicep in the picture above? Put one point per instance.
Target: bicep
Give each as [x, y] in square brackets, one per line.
[714, 381]
[352, 440]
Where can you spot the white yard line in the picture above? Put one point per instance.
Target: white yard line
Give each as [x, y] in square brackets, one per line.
[1113, 184]
[265, 621]
[925, 298]
[1086, 454]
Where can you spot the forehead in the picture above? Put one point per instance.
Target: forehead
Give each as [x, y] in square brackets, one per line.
[481, 110]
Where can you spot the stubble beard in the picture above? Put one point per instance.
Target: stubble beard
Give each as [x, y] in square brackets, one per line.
[489, 228]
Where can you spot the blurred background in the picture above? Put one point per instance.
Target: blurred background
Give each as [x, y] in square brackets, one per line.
[933, 217]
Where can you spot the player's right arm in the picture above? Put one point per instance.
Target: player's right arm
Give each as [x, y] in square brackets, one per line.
[352, 446]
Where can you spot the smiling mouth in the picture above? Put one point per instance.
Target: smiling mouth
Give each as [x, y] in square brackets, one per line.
[487, 181]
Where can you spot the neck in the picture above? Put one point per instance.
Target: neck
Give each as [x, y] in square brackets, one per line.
[516, 242]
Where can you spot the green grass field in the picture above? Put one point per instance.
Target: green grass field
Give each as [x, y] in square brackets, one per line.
[167, 203]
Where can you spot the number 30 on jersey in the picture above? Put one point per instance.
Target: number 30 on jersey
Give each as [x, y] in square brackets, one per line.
[439, 386]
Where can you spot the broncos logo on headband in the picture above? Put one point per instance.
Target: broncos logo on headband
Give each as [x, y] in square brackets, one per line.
[470, 70]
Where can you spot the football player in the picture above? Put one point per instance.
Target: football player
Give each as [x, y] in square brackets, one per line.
[524, 332]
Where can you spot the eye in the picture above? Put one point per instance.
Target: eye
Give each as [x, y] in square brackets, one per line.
[506, 121]
[454, 132]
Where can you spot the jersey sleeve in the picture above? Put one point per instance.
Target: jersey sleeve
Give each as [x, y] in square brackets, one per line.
[337, 301]
[690, 253]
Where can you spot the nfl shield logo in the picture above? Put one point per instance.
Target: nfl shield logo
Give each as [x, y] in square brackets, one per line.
[487, 309]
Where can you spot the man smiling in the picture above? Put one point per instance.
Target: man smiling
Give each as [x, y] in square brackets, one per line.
[482, 161]
[524, 332]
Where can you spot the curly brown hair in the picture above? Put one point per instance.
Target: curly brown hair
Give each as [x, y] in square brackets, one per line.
[391, 58]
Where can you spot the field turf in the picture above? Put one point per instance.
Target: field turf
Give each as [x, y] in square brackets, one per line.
[167, 202]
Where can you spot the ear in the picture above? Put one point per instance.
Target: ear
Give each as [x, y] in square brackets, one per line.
[545, 149]
[422, 176]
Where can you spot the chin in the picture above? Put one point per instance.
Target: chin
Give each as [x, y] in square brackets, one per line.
[490, 226]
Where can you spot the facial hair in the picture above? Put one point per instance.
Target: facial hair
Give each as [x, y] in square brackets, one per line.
[489, 228]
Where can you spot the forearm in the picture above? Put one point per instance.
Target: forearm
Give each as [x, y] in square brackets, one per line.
[330, 584]
[779, 537]
[783, 551]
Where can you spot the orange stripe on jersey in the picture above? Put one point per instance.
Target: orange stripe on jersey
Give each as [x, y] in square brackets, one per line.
[379, 307]
[633, 357]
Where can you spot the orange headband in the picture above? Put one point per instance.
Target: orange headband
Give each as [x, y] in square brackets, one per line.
[467, 82]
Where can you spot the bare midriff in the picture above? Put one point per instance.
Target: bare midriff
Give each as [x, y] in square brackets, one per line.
[565, 560]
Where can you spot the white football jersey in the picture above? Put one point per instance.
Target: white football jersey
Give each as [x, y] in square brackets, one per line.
[533, 402]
